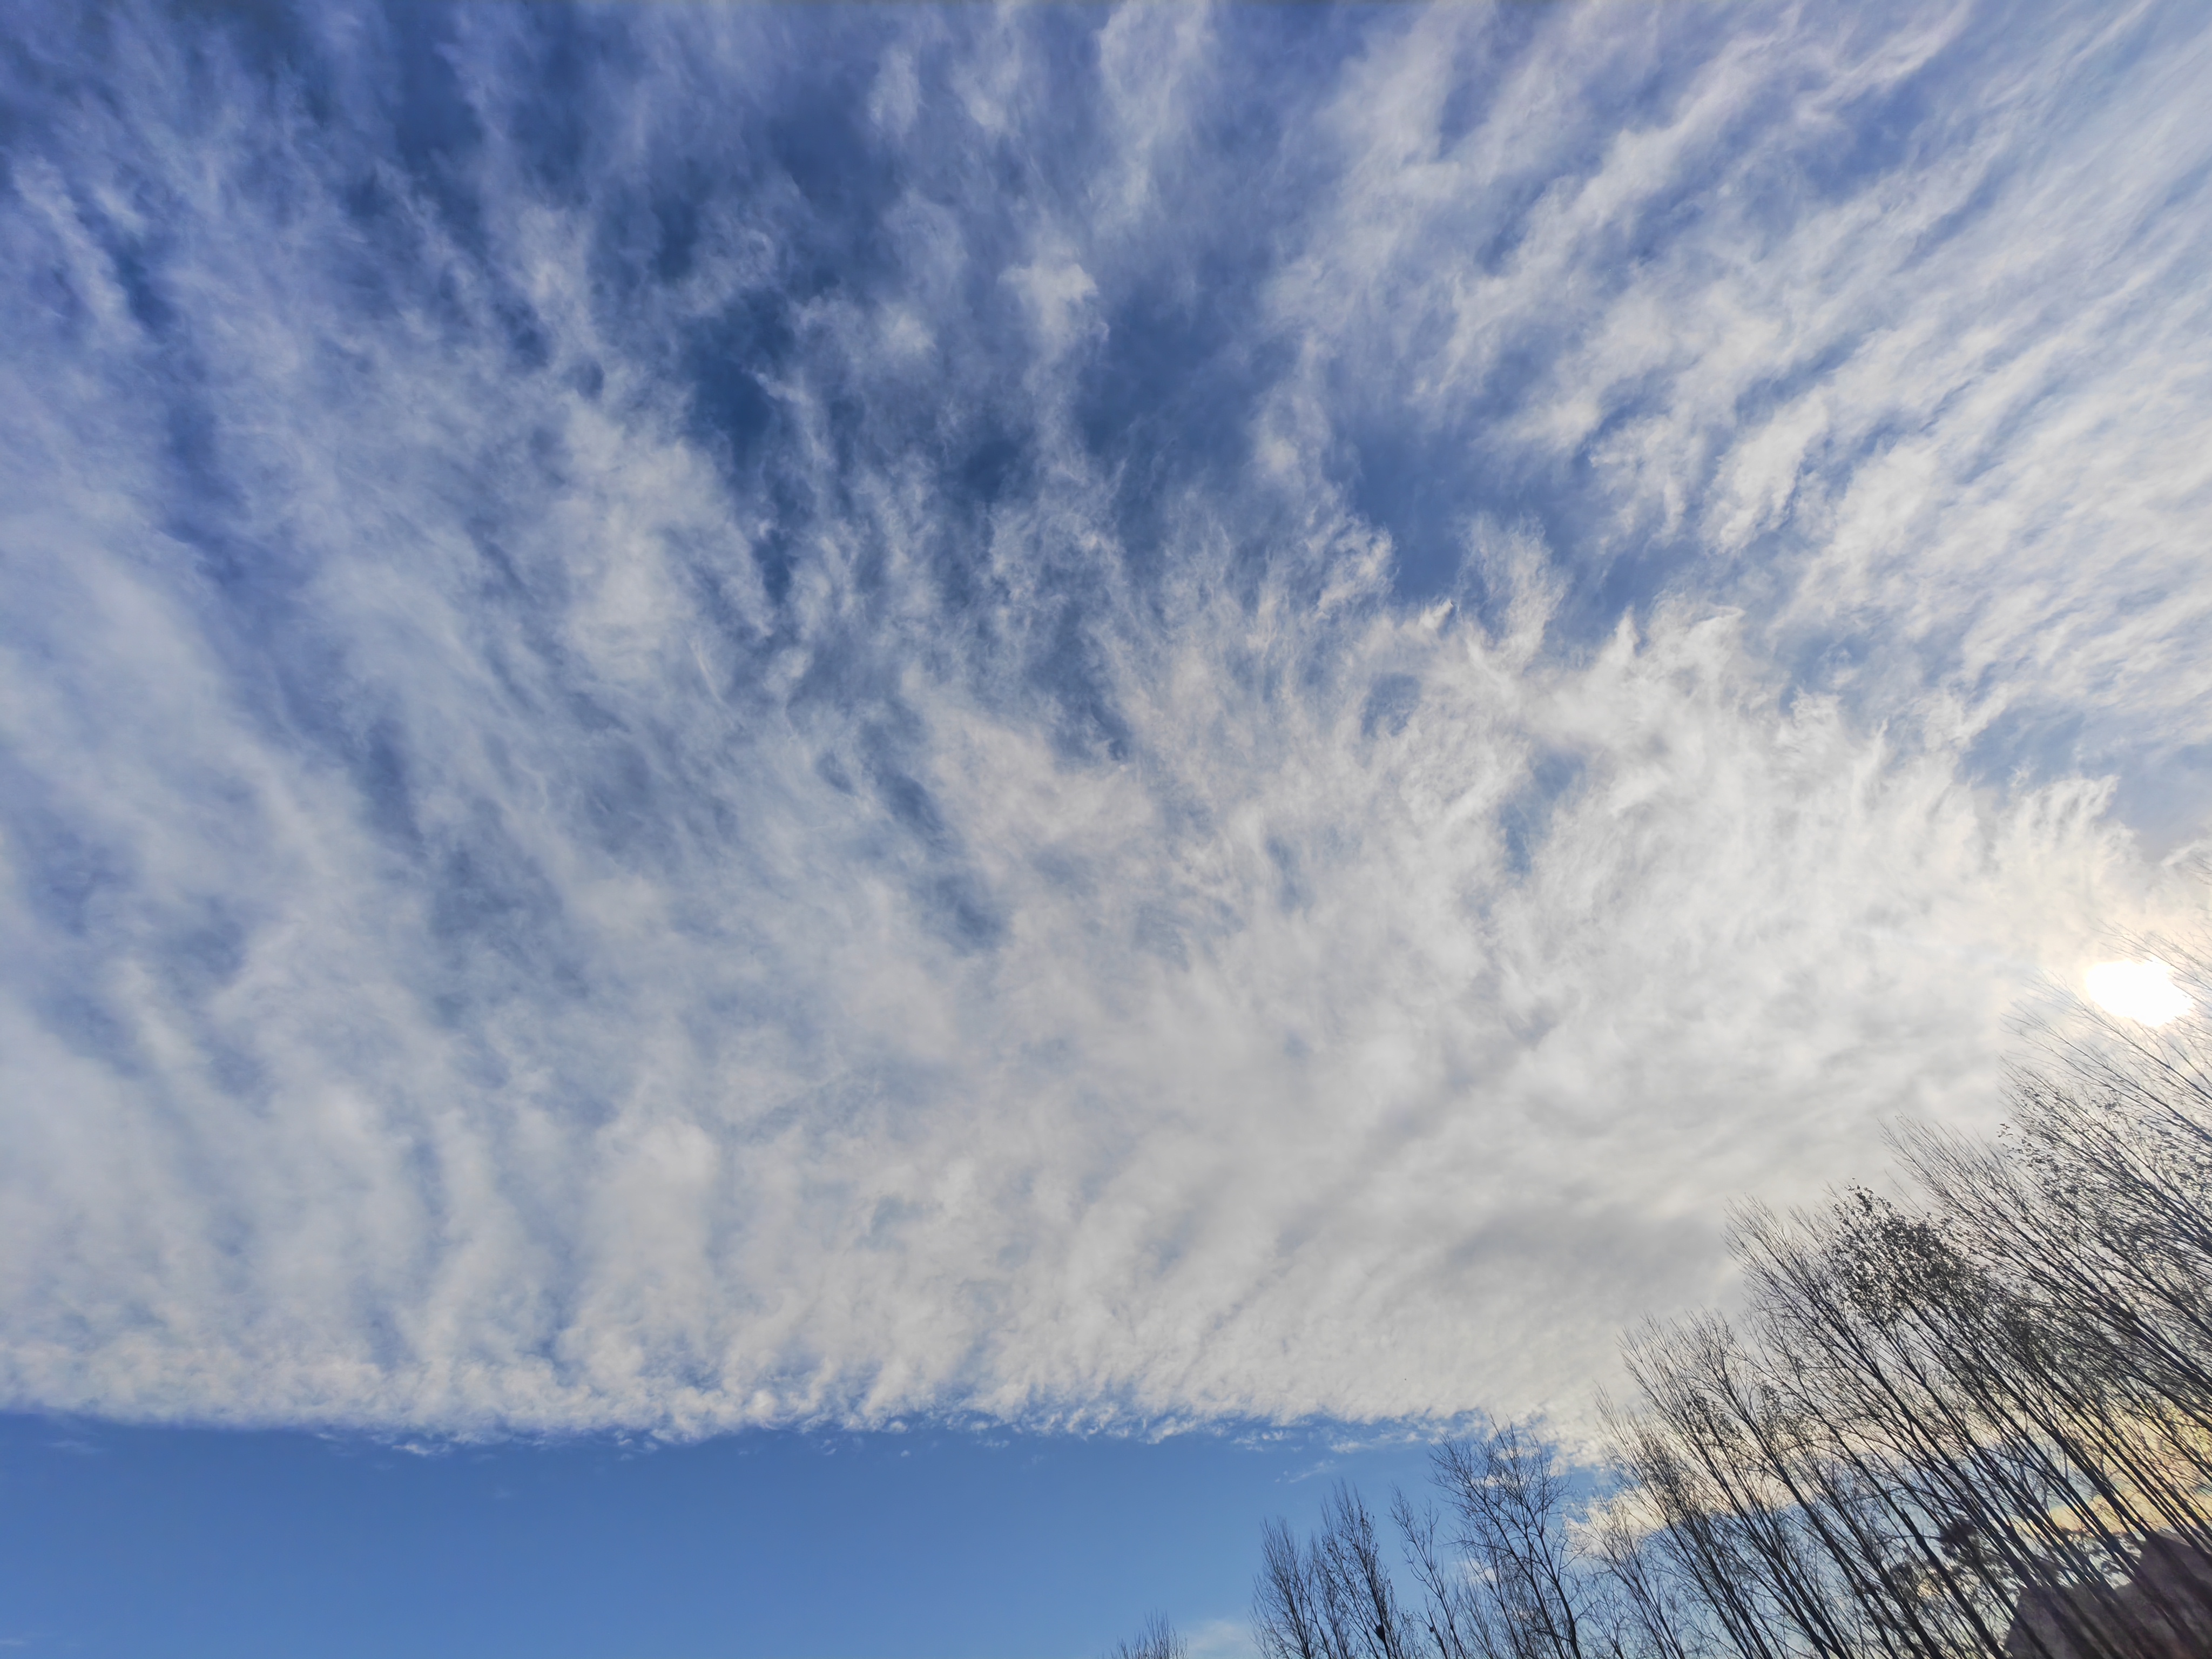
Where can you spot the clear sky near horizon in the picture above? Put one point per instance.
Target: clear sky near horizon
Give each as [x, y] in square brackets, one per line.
[937, 1544]
[767, 727]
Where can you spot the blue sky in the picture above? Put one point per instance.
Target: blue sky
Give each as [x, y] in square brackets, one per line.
[937, 1542]
[758, 721]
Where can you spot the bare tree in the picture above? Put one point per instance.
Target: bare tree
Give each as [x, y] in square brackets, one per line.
[1938, 1413]
[1158, 1640]
[1509, 1580]
[1286, 1611]
[1452, 1615]
[1512, 1498]
[1977, 1423]
[1334, 1597]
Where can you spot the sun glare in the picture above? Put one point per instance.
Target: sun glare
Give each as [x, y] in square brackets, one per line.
[2140, 991]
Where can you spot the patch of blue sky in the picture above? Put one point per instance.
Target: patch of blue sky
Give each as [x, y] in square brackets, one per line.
[966, 1543]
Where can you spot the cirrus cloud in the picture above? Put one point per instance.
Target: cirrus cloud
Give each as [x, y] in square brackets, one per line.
[713, 720]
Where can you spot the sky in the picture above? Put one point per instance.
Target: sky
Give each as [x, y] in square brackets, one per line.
[725, 725]
[191, 1543]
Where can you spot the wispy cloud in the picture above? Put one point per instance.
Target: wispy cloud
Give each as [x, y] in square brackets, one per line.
[710, 719]
[1221, 1639]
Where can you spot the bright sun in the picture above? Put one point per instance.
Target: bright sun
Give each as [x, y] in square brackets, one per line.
[2143, 991]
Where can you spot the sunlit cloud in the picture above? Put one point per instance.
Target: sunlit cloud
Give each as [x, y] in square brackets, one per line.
[2140, 991]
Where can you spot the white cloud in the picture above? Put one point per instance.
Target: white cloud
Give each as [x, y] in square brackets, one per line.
[1221, 1639]
[1950, 405]
[1060, 294]
[537, 909]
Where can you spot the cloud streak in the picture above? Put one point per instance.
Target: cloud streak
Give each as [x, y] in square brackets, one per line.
[713, 721]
